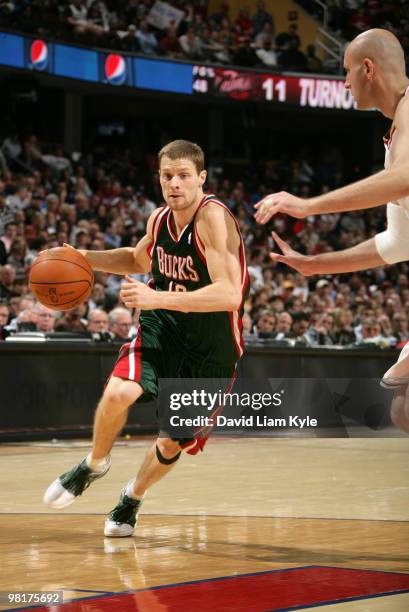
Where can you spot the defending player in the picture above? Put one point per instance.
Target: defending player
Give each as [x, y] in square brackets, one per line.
[190, 326]
[376, 75]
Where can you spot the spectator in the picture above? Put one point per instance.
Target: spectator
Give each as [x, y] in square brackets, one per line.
[45, 318]
[120, 323]
[128, 41]
[20, 258]
[11, 149]
[78, 11]
[190, 44]
[10, 233]
[386, 328]
[17, 305]
[371, 332]
[209, 46]
[244, 22]
[85, 20]
[265, 325]
[262, 17]
[244, 55]
[4, 318]
[300, 327]
[73, 321]
[7, 278]
[98, 325]
[284, 40]
[144, 206]
[19, 197]
[400, 327]
[220, 15]
[283, 327]
[170, 44]
[292, 58]
[112, 238]
[314, 63]
[248, 332]
[266, 54]
[97, 299]
[97, 18]
[320, 333]
[147, 39]
[97, 321]
[7, 214]
[222, 55]
[266, 35]
[343, 330]
[27, 320]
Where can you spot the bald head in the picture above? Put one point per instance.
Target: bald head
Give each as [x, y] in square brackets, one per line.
[380, 46]
[375, 71]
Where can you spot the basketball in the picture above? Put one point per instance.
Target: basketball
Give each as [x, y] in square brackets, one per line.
[61, 278]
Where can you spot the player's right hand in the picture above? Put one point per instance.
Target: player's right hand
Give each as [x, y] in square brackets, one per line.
[301, 263]
[281, 202]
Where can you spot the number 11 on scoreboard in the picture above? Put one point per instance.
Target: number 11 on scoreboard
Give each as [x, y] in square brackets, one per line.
[280, 87]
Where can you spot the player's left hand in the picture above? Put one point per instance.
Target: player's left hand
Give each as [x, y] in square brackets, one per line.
[135, 294]
[281, 202]
[302, 263]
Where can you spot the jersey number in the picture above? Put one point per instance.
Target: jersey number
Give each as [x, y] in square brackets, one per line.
[175, 287]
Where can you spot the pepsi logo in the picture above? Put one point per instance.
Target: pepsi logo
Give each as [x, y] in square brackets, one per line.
[115, 69]
[39, 55]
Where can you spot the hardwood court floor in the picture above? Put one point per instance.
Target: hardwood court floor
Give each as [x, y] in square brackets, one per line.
[333, 513]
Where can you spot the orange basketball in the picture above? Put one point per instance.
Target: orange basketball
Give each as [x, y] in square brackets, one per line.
[61, 278]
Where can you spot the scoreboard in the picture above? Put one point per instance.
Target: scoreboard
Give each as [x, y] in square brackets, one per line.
[156, 74]
[309, 91]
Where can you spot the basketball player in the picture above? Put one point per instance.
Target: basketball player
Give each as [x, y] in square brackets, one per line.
[190, 326]
[375, 73]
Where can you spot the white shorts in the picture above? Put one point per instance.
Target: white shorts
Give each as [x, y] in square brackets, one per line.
[398, 374]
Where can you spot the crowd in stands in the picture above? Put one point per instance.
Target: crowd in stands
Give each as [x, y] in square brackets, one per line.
[348, 18]
[248, 40]
[96, 202]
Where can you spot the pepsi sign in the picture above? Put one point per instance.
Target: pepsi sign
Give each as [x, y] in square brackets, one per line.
[39, 55]
[117, 70]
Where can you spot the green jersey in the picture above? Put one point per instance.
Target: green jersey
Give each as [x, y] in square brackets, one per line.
[179, 264]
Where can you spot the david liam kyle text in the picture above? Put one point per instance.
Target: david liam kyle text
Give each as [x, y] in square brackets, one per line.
[239, 422]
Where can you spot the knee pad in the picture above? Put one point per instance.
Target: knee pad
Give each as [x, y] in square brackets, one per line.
[163, 459]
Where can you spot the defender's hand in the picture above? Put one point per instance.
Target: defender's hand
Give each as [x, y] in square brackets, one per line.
[135, 294]
[281, 202]
[302, 263]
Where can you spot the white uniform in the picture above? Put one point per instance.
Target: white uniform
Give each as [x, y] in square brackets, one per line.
[393, 246]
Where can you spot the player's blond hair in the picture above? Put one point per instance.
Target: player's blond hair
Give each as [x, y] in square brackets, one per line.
[183, 149]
